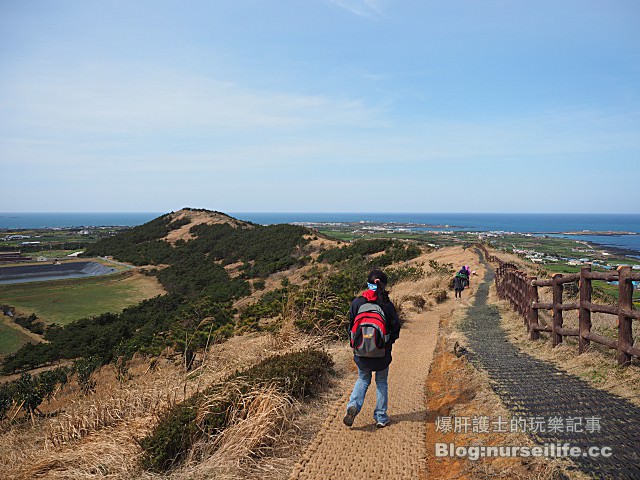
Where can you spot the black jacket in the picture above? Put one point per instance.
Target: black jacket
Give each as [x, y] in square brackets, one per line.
[393, 326]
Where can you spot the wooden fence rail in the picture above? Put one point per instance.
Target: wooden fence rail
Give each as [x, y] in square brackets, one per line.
[521, 290]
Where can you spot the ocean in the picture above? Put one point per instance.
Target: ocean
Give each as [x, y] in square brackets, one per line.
[14, 221]
[509, 222]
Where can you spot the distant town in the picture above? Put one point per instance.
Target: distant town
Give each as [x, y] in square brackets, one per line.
[545, 249]
[539, 248]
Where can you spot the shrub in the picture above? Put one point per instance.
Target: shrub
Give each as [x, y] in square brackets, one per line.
[27, 393]
[443, 269]
[299, 374]
[49, 380]
[398, 252]
[84, 367]
[359, 248]
[270, 305]
[418, 301]
[6, 400]
[439, 295]
[208, 413]
[31, 323]
[172, 437]
[407, 272]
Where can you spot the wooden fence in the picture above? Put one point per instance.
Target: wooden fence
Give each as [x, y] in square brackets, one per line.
[521, 290]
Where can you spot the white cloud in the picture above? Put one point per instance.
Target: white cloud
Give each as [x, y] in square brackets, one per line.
[361, 8]
[186, 137]
[112, 99]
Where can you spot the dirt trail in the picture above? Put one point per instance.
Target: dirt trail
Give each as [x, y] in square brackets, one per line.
[347, 453]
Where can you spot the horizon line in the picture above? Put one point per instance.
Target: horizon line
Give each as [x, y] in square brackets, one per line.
[324, 212]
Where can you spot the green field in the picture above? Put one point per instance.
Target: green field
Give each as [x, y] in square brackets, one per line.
[11, 339]
[64, 301]
[52, 253]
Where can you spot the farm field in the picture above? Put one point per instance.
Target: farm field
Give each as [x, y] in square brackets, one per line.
[11, 339]
[64, 301]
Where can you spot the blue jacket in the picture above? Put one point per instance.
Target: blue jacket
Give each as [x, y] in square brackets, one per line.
[393, 326]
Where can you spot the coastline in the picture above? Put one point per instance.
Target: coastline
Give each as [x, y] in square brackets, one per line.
[578, 228]
[615, 251]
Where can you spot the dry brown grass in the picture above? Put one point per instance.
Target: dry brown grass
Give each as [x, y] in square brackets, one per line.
[315, 247]
[96, 435]
[234, 269]
[147, 285]
[109, 453]
[198, 218]
[101, 411]
[257, 426]
[122, 408]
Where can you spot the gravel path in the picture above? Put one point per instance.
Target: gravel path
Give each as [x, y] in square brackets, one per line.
[347, 453]
[532, 388]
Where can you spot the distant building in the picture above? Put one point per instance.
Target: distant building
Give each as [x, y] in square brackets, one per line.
[8, 238]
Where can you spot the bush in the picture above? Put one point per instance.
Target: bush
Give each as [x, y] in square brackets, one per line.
[405, 273]
[49, 380]
[418, 301]
[398, 252]
[31, 323]
[84, 367]
[27, 393]
[442, 269]
[359, 248]
[173, 436]
[6, 400]
[300, 374]
[270, 305]
[194, 274]
[440, 295]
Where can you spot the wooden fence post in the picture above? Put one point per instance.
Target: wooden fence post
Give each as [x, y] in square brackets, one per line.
[523, 298]
[584, 326]
[556, 338]
[625, 303]
[533, 312]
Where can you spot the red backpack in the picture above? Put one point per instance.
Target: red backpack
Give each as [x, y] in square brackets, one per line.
[369, 335]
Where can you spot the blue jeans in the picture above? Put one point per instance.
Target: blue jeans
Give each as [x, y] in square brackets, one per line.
[382, 393]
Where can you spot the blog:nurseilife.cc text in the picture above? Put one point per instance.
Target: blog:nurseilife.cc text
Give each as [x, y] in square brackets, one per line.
[550, 450]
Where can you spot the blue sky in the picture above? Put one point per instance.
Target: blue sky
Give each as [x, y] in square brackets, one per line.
[320, 105]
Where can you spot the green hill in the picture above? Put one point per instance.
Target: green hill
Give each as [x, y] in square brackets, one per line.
[206, 261]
